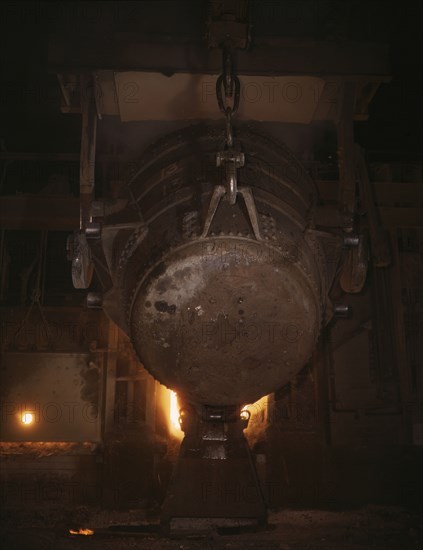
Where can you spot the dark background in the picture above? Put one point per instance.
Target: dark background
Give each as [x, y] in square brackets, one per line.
[29, 95]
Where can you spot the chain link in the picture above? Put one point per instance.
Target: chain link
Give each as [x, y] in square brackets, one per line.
[228, 94]
[228, 91]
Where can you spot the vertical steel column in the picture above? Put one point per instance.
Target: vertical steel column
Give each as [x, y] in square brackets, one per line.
[88, 146]
[110, 358]
[346, 160]
[379, 239]
[408, 401]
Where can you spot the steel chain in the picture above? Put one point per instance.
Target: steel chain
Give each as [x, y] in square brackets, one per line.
[228, 89]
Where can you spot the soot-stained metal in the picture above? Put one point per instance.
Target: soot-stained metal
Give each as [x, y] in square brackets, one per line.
[226, 315]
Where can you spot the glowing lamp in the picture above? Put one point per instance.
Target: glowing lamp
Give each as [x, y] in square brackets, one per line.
[27, 418]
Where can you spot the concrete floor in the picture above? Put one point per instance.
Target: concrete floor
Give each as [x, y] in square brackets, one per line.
[372, 527]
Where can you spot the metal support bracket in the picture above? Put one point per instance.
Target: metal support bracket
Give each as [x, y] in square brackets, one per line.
[231, 160]
[218, 192]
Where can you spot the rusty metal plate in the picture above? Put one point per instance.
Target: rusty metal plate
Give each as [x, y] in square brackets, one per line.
[225, 325]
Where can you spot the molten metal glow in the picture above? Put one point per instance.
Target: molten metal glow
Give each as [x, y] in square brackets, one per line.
[174, 411]
[81, 532]
[27, 418]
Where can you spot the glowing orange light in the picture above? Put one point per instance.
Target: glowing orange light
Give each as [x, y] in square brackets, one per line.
[258, 410]
[171, 408]
[245, 414]
[81, 532]
[174, 411]
[27, 418]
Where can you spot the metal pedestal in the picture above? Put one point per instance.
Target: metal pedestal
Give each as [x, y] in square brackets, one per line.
[214, 482]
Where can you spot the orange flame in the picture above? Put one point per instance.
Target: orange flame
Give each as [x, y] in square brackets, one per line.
[174, 415]
[81, 532]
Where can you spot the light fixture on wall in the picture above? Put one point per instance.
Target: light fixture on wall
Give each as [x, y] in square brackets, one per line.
[27, 418]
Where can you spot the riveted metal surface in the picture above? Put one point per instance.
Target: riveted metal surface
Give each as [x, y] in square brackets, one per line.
[224, 326]
[227, 315]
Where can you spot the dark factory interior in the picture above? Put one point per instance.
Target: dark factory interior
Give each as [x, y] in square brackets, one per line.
[211, 282]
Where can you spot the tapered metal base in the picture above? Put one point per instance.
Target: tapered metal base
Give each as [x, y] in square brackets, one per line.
[214, 481]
